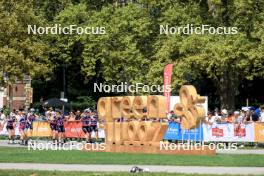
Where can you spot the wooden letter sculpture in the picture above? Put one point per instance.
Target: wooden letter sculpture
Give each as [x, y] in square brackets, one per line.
[191, 114]
[133, 120]
[134, 123]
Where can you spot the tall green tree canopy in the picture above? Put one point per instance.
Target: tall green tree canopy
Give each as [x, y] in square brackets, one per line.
[20, 53]
[133, 50]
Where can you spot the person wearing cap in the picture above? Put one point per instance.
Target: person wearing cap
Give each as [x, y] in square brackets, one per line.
[224, 115]
[86, 125]
[238, 118]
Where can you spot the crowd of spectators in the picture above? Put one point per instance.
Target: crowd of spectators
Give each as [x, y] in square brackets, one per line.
[245, 115]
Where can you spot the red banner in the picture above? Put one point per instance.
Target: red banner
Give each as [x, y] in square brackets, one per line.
[239, 131]
[217, 132]
[167, 84]
[73, 129]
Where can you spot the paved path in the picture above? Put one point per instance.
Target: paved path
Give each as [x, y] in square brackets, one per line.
[126, 168]
[242, 151]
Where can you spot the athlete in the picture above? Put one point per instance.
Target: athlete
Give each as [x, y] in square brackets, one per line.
[60, 127]
[53, 124]
[22, 128]
[30, 119]
[86, 125]
[10, 127]
[94, 127]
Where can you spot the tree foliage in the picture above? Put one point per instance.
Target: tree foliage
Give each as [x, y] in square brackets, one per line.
[20, 53]
[133, 50]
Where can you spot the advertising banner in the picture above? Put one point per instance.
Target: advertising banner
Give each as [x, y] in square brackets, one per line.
[73, 129]
[259, 132]
[41, 129]
[229, 132]
[175, 132]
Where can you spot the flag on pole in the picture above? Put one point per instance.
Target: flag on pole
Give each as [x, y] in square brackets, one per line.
[167, 83]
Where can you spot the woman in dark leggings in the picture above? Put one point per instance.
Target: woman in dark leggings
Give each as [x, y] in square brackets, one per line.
[60, 127]
[22, 130]
[10, 127]
[53, 126]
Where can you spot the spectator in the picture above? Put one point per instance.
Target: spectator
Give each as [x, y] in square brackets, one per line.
[248, 116]
[229, 118]
[224, 115]
[2, 119]
[2, 116]
[261, 118]
[255, 114]
[78, 115]
[71, 116]
[174, 118]
[238, 118]
[210, 119]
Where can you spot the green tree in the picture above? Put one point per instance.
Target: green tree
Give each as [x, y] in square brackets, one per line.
[20, 53]
[225, 59]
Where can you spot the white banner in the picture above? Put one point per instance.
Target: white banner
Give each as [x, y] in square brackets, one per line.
[229, 132]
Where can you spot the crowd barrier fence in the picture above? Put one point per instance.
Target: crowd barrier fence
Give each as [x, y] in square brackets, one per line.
[227, 132]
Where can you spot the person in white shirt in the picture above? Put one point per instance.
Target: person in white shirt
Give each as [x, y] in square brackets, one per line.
[2, 115]
[238, 117]
[210, 119]
[2, 119]
[261, 118]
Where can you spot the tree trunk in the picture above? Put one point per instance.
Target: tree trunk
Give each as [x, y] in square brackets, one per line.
[227, 99]
[227, 89]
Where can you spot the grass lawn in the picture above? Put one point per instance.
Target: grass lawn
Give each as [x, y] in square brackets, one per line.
[20, 155]
[59, 173]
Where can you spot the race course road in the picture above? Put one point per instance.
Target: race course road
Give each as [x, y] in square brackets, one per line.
[126, 168]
